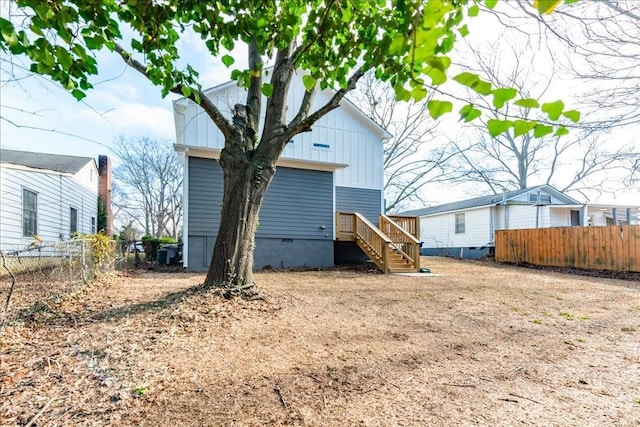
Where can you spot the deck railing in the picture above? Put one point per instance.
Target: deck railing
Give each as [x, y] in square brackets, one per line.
[410, 224]
[403, 242]
[354, 226]
[345, 226]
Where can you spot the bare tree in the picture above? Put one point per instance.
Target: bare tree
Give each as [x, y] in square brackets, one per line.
[149, 182]
[581, 162]
[413, 158]
[604, 51]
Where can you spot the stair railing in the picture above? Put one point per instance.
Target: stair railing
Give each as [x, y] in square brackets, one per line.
[378, 245]
[406, 244]
[410, 224]
[345, 226]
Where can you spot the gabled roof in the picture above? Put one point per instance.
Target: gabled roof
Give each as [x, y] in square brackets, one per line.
[491, 200]
[52, 162]
[345, 103]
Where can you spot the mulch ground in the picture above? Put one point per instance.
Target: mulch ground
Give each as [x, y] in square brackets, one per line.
[479, 344]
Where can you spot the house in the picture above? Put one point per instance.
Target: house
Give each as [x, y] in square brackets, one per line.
[46, 195]
[602, 214]
[466, 228]
[335, 167]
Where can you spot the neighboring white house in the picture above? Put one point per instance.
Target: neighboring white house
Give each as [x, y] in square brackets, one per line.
[335, 167]
[46, 195]
[467, 228]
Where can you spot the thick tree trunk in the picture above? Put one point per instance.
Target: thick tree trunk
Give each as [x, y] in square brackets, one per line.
[245, 185]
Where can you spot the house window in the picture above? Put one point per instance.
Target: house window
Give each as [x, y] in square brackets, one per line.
[29, 213]
[93, 225]
[73, 221]
[460, 223]
[574, 218]
[544, 198]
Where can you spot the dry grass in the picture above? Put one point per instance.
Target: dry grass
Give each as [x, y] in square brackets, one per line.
[480, 345]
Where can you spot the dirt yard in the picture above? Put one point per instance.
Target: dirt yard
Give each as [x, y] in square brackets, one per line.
[479, 345]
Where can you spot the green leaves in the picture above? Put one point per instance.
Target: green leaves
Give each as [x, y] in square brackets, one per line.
[267, 89]
[521, 127]
[553, 109]
[228, 60]
[405, 42]
[572, 115]
[545, 6]
[309, 82]
[502, 95]
[469, 113]
[438, 108]
[467, 79]
[419, 93]
[496, 127]
[490, 3]
[541, 130]
[8, 33]
[527, 103]
[473, 81]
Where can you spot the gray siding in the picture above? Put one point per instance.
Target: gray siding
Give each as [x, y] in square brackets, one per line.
[297, 205]
[364, 201]
[296, 219]
[205, 196]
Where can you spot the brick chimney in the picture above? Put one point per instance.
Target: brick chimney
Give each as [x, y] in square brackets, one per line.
[104, 189]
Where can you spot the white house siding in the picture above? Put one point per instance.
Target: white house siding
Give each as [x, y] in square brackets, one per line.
[560, 217]
[57, 193]
[352, 139]
[437, 232]
[525, 197]
[521, 216]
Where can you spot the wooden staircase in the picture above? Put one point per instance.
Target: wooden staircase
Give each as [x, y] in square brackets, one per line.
[393, 246]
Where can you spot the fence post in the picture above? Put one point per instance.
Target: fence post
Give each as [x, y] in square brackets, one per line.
[83, 273]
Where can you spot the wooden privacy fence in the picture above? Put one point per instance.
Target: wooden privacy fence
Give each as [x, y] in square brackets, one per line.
[614, 247]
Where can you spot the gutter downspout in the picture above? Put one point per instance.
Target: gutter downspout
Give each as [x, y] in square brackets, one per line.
[538, 210]
[185, 209]
[504, 204]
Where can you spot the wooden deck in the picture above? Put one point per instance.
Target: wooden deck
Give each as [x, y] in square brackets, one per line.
[393, 245]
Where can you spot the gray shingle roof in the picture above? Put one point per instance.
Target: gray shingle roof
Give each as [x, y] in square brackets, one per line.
[492, 199]
[54, 162]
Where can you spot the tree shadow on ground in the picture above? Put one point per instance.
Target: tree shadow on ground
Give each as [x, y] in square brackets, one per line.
[43, 314]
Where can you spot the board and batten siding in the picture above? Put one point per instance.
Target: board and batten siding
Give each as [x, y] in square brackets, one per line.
[295, 221]
[57, 194]
[365, 201]
[344, 136]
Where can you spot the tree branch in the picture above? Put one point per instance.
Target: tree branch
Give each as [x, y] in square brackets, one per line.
[305, 106]
[254, 94]
[274, 121]
[305, 124]
[209, 107]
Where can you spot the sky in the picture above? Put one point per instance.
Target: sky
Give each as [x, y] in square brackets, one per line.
[40, 116]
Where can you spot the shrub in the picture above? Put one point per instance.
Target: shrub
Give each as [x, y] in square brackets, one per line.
[152, 244]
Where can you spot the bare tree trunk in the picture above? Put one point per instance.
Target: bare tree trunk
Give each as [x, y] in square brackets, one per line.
[245, 185]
